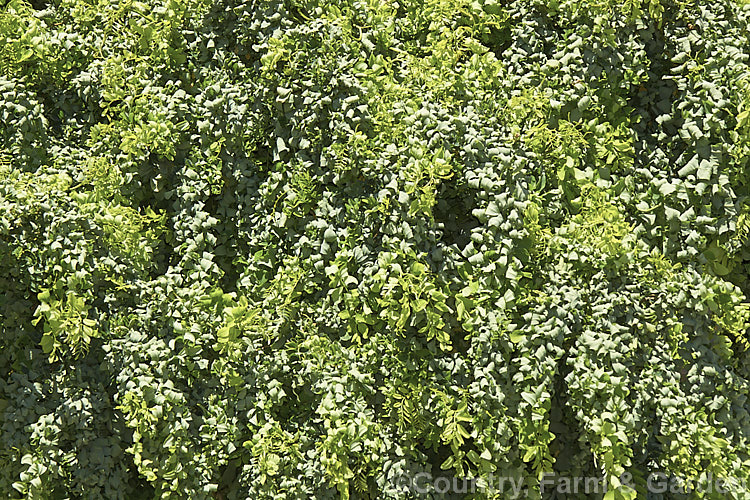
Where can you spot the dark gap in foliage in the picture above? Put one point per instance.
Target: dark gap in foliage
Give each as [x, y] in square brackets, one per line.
[436, 456]
[566, 446]
[224, 207]
[146, 196]
[226, 476]
[498, 40]
[552, 21]
[56, 109]
[453, 210]
[654, 98]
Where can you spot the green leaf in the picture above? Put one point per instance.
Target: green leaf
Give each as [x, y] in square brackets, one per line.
[516, 337]
[529, 397]
[47, 343]
[704, 170]
[448, 463]
[223, 335]
[26, 55]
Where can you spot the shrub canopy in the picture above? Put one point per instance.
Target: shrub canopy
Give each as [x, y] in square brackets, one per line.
[307, 249]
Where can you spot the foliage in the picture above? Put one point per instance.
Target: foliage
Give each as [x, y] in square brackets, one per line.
[306, 249]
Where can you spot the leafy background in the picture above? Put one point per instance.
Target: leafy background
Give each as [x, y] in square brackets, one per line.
[303, 249]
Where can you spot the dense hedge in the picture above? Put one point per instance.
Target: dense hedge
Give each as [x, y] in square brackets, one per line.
[304, 249]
